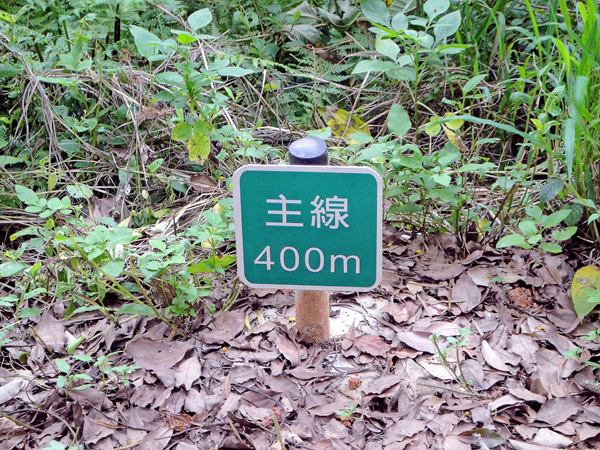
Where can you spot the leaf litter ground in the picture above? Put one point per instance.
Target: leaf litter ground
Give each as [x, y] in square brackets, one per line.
[377, 385]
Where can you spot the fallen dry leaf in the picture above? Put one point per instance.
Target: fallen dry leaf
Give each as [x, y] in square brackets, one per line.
[442, 272]
[401, 312]
[373, 345]
[466, 293]
[52, 333]
[558, 410]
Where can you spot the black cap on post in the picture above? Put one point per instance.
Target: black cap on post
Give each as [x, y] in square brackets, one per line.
[308, 151]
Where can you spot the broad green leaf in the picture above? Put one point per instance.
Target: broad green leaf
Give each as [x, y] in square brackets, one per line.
[481, 168]
[62, 365]
[473, 83]
[434, 8]
[555, 218]
[343, 23]
[575, 216]
[585, 281]
[182, 132]
[26, 195]
[11, 268]
[210, 264]
[145, 41]
[199, 19]
[551, 247]
[82, 376]
[442, 179]
[398, 121]
[29, 312]
[407, 161]
[433, 128]
[399, 22]
[158, 244]
[113, 268]
[447, 25]
[374, 66]
[184, 38]
[170, 78]
[407, 208]
[448, 158]
[135, 308]
[402, 73]
[202, 127]
[306, 33]
[551, 189]
[528, 227]
[7, 160]
[387, 47]
[234, 72]
[226, 260]
[199, 147]
[368, 153]
[153, 167]
[79, 191]
[563, 235]
[534, 211]
[52, 180]
[361, 138]
[511, 239]
[376, 11]
[74, 344]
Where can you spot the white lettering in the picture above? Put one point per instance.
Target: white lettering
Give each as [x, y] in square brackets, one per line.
[345, 262]
[282, 259]
[307, 259]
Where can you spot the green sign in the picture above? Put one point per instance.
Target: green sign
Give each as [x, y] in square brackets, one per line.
[308, 227]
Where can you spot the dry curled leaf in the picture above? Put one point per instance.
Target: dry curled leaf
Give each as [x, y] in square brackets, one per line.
[373, 345]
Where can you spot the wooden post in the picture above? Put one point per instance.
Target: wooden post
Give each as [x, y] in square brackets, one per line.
[312, 307]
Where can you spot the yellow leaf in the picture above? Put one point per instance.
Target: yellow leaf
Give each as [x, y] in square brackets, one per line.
[248, 323]
[337, 119]
[453, 124]
[388, 3]
[199, 147]
[452, 136]
[585, 282]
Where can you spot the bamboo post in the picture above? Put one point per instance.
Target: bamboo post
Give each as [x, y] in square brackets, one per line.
[312, 307]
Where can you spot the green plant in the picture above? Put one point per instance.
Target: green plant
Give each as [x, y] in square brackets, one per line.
[68, 378]
[576, 352]
[442, 354]
[347, 412]
[106, 368]
[423, 41]
[533, 230]
[55, 445]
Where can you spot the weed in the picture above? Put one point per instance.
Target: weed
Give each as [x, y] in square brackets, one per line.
[442, 354]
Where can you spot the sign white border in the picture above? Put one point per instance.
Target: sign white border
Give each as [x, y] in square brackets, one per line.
[237, 208]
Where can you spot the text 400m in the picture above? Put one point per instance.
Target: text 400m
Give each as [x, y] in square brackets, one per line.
[318, 261]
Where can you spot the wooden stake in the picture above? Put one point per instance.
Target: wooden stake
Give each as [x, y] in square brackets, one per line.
[312, 316]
